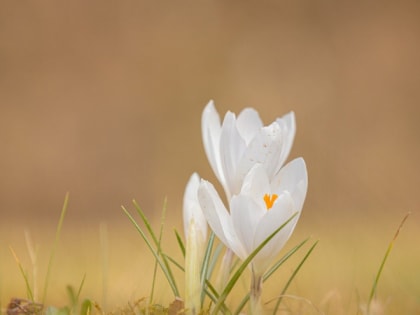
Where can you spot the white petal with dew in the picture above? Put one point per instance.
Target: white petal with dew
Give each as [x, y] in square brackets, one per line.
[216, 214]
[248, 124]
[287, 124]
[293, 177]
[265, 149]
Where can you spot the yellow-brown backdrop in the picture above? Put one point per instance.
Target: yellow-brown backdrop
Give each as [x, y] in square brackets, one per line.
[104, 98]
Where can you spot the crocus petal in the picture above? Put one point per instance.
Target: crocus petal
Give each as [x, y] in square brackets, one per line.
[282, 210]
[248, 124]
[192, 209]
[232, 147]
[265, 148]
[293, 177]
[287, 124]
[245, 214]
[217, 216]
[271, 146]
[256, 184]
[211, 130]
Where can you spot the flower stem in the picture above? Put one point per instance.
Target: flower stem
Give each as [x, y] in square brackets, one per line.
[255, 294]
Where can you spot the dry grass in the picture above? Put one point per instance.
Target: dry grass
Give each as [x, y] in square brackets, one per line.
[336, 279]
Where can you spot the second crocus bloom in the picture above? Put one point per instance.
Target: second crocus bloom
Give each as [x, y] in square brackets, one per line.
[262, 206]
[195, 228]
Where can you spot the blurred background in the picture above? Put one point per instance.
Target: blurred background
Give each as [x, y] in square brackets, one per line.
[103, 99]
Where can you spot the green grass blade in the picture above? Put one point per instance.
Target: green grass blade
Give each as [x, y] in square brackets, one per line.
[159, 247]
[268, 274]
[180, 243]
[293, 276]
[79, 291]
[243, 266]
[86, 308]
[211, 292]
[381, 267]
[214, 259]
[168, 275]
[72, 296]
[146, 222]
[57, 237]
[241, 304]
[104, 246]
[210, 269]
[207, 256]
[205, 265]
[24, 275]
[173, 261]
[156, 241]
[284, 259]
[33, 257]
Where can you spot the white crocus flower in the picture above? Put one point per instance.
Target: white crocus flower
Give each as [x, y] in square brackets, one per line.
[192, 209]
[195, 229]
[261, 207]
[237, 144]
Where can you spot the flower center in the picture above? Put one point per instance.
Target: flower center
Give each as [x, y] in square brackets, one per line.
[269, 200]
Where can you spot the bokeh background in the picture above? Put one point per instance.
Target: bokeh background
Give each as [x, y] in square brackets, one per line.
[103, 99]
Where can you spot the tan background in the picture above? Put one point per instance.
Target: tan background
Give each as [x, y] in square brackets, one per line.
[104, 100]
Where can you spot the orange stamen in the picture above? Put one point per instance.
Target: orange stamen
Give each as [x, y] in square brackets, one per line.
[269, 200]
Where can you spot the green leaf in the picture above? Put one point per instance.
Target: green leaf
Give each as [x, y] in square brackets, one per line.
[381, 267]
[86, 308]
[57, 237]
[167, 274]
[293, 276]
[214, 296]
[80, 287]
[159, 248]
[24, 275]
[180, 243]
[205, 265]
[156, 241]
[177, 264]
[211, 292]
[283, 259]
[72, 295]
[214, 259]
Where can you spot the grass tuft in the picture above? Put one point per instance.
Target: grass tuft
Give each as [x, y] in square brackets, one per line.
[57, 236]
[381, 267]
[270, 272]
[283, 292]
[24, 275]
[180, 243]
[159, 249]
[229, 286]
[161, 259]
